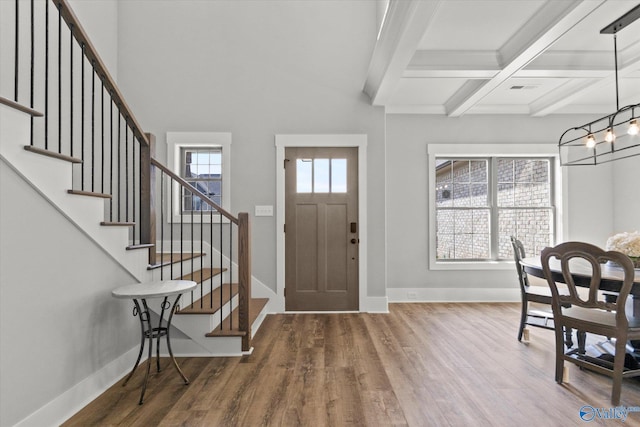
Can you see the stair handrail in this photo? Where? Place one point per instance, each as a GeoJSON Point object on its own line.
{"type": "Point", "coordinates": [92, 55]}
{"type": "Point", "coordinates": [194, 190]}
{"type": "Point", "coordinates": [244, 251]}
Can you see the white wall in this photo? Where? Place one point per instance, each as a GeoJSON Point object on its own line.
{"type": "Point", "coordinates": [257, 69]}
{"type": "Point", "coordinates": [589, 196]}
{"type": "Point", "coordinates": [59, 323]}
{"type": "Point", "coordinates": [626, 191]}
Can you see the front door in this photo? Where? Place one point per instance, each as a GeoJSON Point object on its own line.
{"type": "Point", "coordinates": [321, 228]}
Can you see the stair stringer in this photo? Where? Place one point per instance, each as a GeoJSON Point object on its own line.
{"type": "Point", "coordinates": [52, 178]}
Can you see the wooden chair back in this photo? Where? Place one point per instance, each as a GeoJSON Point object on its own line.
{"type": "Point", "coordinates": [588, 255]}
{"type": "Point", "coordinates": [518, 255]}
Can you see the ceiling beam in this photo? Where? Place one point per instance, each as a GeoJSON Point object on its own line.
{"type": "Point", "coordinates": [485, 64]}
{"type": "Point", "coordinates": [402, 30]}
{"type": "Point", "coordinates": [552, 21]}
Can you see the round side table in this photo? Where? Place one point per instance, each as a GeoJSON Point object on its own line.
{"type": "Point", "coordinates": [139, 293]}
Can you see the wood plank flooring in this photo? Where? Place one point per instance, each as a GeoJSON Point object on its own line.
{"type": "Point", "coordinates": [435, 364]}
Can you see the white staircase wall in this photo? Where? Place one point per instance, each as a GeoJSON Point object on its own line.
{"type": "Point", "coordinates": [64, 338]}
{"type": "Point", "coordinates": [52, 178]}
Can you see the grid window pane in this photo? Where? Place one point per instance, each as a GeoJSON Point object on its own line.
{"type": "Point", "coordinates": [338, 175]}
{"type": "Point", "coordinates": [463, 246]}
{"type": "Point", "coordinates": [461, 195]}
{"type": "Point", "coordinates": [463, 222]}
{"type": "Point", "coordinates": [521, 189]}
{"type": "Point", "coordinates": [304, 174]}
{"type": "Point", "coordinates": [202, 168]}
{"type": "Point", "coordinates": [480, 248]}
{"type": "Point", "coordinates": [534, 227]}
{"type": "Point", "coordinates": [505, 194]}
{"type": "Point", "coordinates": [321, 176]}
{"type": "Point", "coordinates": [444, 246]}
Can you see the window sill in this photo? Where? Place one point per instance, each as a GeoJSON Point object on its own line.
{"type": "Point", "coordinates": [471, 265]}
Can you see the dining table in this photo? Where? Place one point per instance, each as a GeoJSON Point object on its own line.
{"type": "Point", "coordinates": [611, 283]}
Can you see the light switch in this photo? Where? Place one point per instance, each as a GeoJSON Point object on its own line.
{"type": "Point", "coordinates": [264, 210]}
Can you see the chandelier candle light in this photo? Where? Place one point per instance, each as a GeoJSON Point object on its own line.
{"type": "Point", "coordinates": [608, 138]}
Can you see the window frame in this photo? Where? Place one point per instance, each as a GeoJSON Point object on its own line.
{"type": "Point", "coordinates": [490, 151]}
{"type": "Point", "coordinates": [176, 141]}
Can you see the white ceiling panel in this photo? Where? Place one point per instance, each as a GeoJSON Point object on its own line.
{"type": "Point", "coordinates": [518, 91]}
{"type": "Point", "coordinates": [476, 25]}
{"type": "Point", "coordinates": [586, 35]}
{"type": "Point", "coordinates": [412, 91]}
{"type": "Point", "coordinates": [459, 57]}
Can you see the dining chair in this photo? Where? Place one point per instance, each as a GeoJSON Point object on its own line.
{"type": "Point", "coordinates": [593, 314]}
{"type": "Point", "coordinates": [537, 294]}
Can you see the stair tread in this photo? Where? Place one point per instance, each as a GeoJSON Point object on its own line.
{"type": "Point", "coordinates": [211, 302]}
{"type": "Point", "coordinates": [140, 246]}
{"type": "Point", "coordinates": [20, 107]}
{"type": "Point", "coordinates": [203, 274]}
{"type": "Point", "coordinates": [52, 154]}
{"type": "Point", "coordinates": [89, 193]}
{"type": "Point", "coordinates": [255, 308]}
{"type": "Point", "coordinates": [168, 258]}
{"type": "Point", "coordinates": [116, 224]}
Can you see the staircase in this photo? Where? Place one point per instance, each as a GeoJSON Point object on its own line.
{"type": "Point", "coordinates": [81, 147]}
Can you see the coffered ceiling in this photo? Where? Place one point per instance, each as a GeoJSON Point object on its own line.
{"type": "Point", "coordinates": [533, 57]}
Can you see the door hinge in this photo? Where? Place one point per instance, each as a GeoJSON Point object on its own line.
{"type": "Point", "coordinates": [284, 228]}
{"type": "Point", "coordinates": [285, 163]}
{"type": "Point", "coordinates": [285, 292]}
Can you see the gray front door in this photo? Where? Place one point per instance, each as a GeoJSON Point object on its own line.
{"type": "Point", "coordinates": [321, 229]}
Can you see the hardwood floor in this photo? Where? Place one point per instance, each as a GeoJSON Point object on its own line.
{"type": "Point", "coordinates": [435, 364]}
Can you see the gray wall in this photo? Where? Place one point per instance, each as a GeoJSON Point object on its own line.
{"type": "Point", "coordinates": [99, 18]}
{"type": "Point", "coordinates": [589, 197]}
{"type": "Point", "coordinates": [59, 323]}
{"type": "Point", "coordinates": [626, 194]}
{"type": "Point", "coordinates": [257, 69]}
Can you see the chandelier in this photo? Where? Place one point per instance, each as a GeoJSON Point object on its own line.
{"type": "Point", "coordinates": [609, 138]}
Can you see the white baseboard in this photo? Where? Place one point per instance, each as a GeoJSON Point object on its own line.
{"type": "Point", "coordinates": [77, 397]}
{"type": "Point", "coordinates": [376, 305]}
{"type": "Point", "coordinates": [453, 294]}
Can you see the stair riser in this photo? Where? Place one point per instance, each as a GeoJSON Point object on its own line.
{"type": "Point", "coordinates": [203, 323]}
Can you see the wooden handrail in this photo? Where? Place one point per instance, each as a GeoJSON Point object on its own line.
{"type": "Point", "coordinates": [194, 190]}
{"type": "Point", "coordinates": [101, 70]}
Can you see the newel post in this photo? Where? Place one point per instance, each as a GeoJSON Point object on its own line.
{"type": "Point", "coordinates": [244, 278]}
{"type": "Point", "coordinates": [148, 197]}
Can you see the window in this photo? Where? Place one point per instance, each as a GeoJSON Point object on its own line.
{"type": "Point", "coordinates": [202, 168]}
{"type": "Point", "coordinates": [480, 201]}
{"type": "Point", "coordinates": [202, 159]}
{"type": "Point", "coordinates": [321, 175]}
